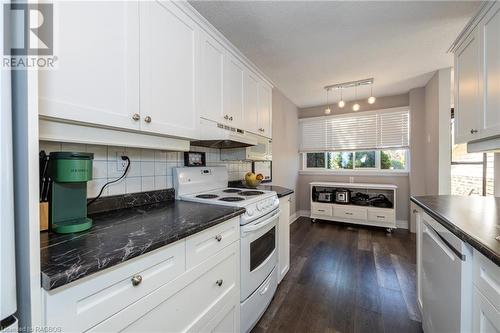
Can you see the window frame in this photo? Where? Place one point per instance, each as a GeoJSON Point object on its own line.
{"type": "Point", "coordinates": [377, 170]}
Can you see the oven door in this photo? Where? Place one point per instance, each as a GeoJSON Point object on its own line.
{"type": "Point", "coordinates": [259, 241]}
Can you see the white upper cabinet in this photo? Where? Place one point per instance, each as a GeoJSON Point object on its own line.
{"type": "Point", "coordinates": [251, 107]}
{"type": "Point", "coordinates": [477, 78]}
{"type": "Point", "coordinates": [211, 79]}
{"type": "Point", "coordinates": [97, 78]}
{"type": "Point", "coordinates": [169, 46]}
{"type": "Point", "coordinates": [467, 98]}
{"type": "Point", "coordinates": [265, 110]}
{"type": "Point", "coordinates": [490, 37]}
{"type": "Point", "coordinates": [233, 91]}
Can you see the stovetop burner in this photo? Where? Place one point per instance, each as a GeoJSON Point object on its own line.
{"type": "Point", "coordinates": [207, 196]}
{"type": "Point", "coordinates": [250, 193]}
{"type": "Point", "coordinates": [232, 190]}
{"type": "Point", "coordinates": [231, 199]}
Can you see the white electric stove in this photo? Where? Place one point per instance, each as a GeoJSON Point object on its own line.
{"type": "Point", "coordinates": [259, 236]}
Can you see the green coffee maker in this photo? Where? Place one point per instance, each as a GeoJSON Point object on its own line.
{"type": "Point", "coordinates": [69, 172]}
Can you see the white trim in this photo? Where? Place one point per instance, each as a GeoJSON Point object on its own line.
{"type": "Point", "coordinates": [356, 185]}
{"type": "Point", "coordinates": [402, 224]}
{"type": "Point", "coordinates": [50, 130]}
{"type": "Point", "coordinates": [294, 217]}
{"type": "Point", "coordinates": [303, 213]}
{"type": "Point", "coordinates": [327, 172]}
{"type": "Point", "coordinates": [350, 114]}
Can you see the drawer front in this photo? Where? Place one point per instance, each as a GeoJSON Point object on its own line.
{"type": "Point", "coordinates": [187, 303]}
{"type": "Point", "coordinates": [208, 242]}
{"type": "Point", "coordinates": [319, 209]}
{"type": "Point", "coordinates": [347, 212]}
{"type": "Point", "coordinates": [487, 278]}
{"type": "Point", "coordinates": [381, 215]}
{"type": "Point", "coordinates": [81, 305]}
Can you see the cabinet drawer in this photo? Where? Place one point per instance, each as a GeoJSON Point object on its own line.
{"type": "Point", "coordinates": [321, 209]}
{"type": "Point", "coordinates": [486, 277]}
{"type": "Point", "coordinates": [206, 243]}
{"type": "Point", "coordinates": [485, 318]}
{"type": "Point", "coordinates": [349, 212]}
{"type": "Point", "coordinates": [380, 215]}
{"type": "Point", "coordinates": [80, 305]}
{"type": "Point", "coordinates": [187, 303]}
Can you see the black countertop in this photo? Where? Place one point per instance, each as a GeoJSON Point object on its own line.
{"type": "Point", "coordinates": [281, 191]}
{"type": "Point", "coordinates": [123, 234]}
{"type": "Point", "coordinates": [475, 220]}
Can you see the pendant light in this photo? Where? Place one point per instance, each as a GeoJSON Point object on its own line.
{"type": "Point", "coordinates": [327, 110]}
{"type": "Point", "coordinates": [355, 107]}
{"type": "Point", "coordinates": [341, 102]}
{"type": "Point", "coordinates": [372, 98]}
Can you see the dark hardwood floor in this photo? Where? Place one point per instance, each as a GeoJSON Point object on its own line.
{"type": "Point", "coordinates": [346, 278]}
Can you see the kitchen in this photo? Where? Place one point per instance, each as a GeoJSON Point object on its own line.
{"type": "Point", "coordinates": [214, 166]}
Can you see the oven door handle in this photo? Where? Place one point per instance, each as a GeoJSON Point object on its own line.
{"type": "Point", "coordinates": [260, 225]}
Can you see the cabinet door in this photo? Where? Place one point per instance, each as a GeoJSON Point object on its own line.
{"type": "Point", "coordinates": [490, 38]}
{"type": "Point", "coordinates": [211, 79]}
{"type": "Point", "coordinates": [251, 107]}
{"type": "Point", "coordinates": [265, 110]}
{"type": "Point", "coordinates": [233, 91]}
{"type": "Point", "coordinates": [97, 78]}
{"type": "Point", "coordinates": [467, 90]}
{"type": "Point", "coordinates": [419, 230]}
{"type": "Point", "coordinates": [284, 237]}
{"type": "Point", "coordinates": [169, 45]}
{"type": "Point", "coordinates": [485, 318]}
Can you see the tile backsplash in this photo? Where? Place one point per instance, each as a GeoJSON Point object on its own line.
{"type": "Point", "coordinates": [149, 169]}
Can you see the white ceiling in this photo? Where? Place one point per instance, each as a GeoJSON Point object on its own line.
{"type": "Point", "coordinates": [305, 45]}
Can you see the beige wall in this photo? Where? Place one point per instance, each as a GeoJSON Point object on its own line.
{"type": "Point", "coordinates": [402, 181]}
{"type": "Point", "coordinates": [380, 103]}
{"type": "Point", "coordinates": [285, 144]}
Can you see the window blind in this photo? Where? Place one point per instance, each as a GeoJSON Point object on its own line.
{"type": "Point", "coordinates": [359, 131]}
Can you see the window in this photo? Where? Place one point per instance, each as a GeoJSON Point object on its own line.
{"type": "Point", "coordinates": [471, 173]}
{"type": "Point", "coordinates": [370, 160]}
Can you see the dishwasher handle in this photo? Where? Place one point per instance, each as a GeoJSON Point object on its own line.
{"type": "Point", "coordinates": [443, 243]}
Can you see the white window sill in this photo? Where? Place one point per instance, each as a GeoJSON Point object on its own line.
{"type": "Point", "coordinates": [377, 173]}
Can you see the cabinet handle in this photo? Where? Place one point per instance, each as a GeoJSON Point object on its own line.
{"type": "Point", "coordinates": [136, 280]}
{"type": "Point", "coordinates": [321, 210]}
{"type": "Point", "coordinates": [219, 282]}
{"type": "Point", "coordinates": [347, 213]}
{"type": "Point", "coordinates": [473, 131]}
{"type": "Point", "coordinates": [231, 118]}
{"type": "Point", "coordinates": [147, 119]}
{"type": "Point", "coordinates": [415, 211]}
{"type": "Point", "coordinates": [218, 238]}
{"type": "Point", "coordinates": [381, 217]}
{"type": "Point", "coordinates": [136, 117]}
{"type": "Point", "coordinates": [226, 117]}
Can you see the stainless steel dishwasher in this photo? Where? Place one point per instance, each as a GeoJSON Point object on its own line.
{"type": "Point", "coordinates": [446, 280]}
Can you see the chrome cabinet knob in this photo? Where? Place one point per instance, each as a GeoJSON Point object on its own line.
{"type": "Point", "coordinates": [136, 117]}
{"type": "Point", "coordinates": [231, 118]}
{"type": "Point", "coordinates": [218, 238]}
{"type": "Point", "coordinates": [226, 117]}
{"type": "Point", "coordinates": [473, 131]}
{"type": "Point", "coordinates": [136, 280]}
{"type": "Point", "coordinates": [147, 119]}
{"type": "Point", "coordinates": [415, 211]}
{"type": "Point", "coordinates": [219, 282]}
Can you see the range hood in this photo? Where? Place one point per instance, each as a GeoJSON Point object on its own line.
{"type": "Point", "coordinates": [221, 136]}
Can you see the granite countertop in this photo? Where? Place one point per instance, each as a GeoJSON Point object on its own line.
{"type": "Point", "coordinates": [281, 191]}
{"type": "Point", "coordinates": [475, 220]}
{"type": "Point", "coordinates": [120, 235]}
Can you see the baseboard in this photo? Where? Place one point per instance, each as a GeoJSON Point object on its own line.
{"type": "Point", "coordinates": [293, 217]}
{"type": "Point", "coordinates": [402, 224]}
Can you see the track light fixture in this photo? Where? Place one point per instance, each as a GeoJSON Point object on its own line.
{"type": "Point", "coordinates": [350, 84]}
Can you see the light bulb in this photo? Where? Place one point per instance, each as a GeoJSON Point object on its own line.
{"type": "Point", "coordinates": [355, 107]}
{"type": "Point", "coordinates": [371, 99]}
{"type": "Point", "coordinates": [341, 103]}
{"type": "Point", "coordinates": [328, 110]}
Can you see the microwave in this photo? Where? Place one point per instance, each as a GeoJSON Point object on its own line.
{"type": "Point", "coordinates": [325, 197]}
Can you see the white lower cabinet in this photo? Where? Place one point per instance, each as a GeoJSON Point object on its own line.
{"type": "Point", "coordinates": [170, 298]}
{"type": "Point", "coordinates": [485, 317]}
{"type": "Point", "coordinates": [284, 238]}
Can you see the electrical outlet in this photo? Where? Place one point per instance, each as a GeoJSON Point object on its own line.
{"type": "Point", "coordinates": [120, 164]}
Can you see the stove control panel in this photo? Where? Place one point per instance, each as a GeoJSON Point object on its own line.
{"type": "Point", "coordinates": [260, 208]}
